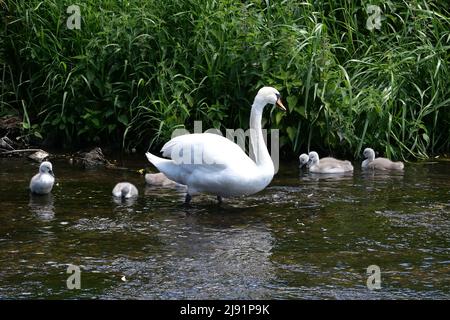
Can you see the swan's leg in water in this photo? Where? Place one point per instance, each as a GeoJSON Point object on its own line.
{"type": "Point", "coordinates": [219, 198]}
{"type": "Point", "coordinates": [188, 198]}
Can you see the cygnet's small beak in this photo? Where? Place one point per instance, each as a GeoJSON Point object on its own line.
{"type": "Point", "coordinates": [280, 105]}
{"type": "Point", "coordinates": [51, 172]}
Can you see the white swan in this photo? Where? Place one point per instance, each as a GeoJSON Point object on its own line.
{"type": "Point", "coordinates": [125, 190]}
{"type": "Point", "coordinates": [379, 163]}
{"type": "Point", "coordinates": [42, 183]}
{"type": "Point", "coordinates": [211, 163]}
{"type": "Point", "coordinates": [331, 165]}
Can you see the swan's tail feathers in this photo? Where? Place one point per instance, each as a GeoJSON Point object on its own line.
{"type": "Point", "coordinates": [167, 166]}
{"type": "Point", "coordinates": [156, 161]}
{"type": "Point", "coordinates": [348, 166]}
{"type": "Point", "coordinates": [398, 165]}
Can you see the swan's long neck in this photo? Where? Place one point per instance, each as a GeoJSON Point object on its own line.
{"type": "Point", "coordinates": [258, 146]}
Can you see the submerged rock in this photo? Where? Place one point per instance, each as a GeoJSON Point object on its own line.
{"type": "Point", "coordinates": [93, 158]}
{"type": "Point", "coordinates": [39, 156]}
{"type": "Point", "coordinates": [159, 179]}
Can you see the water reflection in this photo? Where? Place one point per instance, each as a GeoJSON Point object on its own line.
{"type": "Point", "coordinates": [376, 175]}
{"type": "Point", "coordinates": [166, 192]}
{"type": "Point", "coordinates": [124, 202]}
{"type": "Point", "coordinates": [327, 176]}
{"type": "Point", "coordinates": [42, 206]}
{"type": "Point", "coordinates": [200, 260]}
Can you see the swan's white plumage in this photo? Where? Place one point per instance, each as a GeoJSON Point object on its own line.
{"type": "Point", "coordinates": [125, 190]}
{"type": "Point", "coordinates": [211, 163]}
{"type": "Point", "coordinates": [328, 165]}
{"type": "Point", "coordinates": [42, 183]}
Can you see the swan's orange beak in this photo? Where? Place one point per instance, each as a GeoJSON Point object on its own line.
{"type": "Point", "coordinates": [280, 105]}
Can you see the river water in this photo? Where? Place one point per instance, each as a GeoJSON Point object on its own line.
{"type": "Point", "coordinates": [306, 236]}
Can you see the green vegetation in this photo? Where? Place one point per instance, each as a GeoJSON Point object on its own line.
{"type": "Point", "coordinates": [139, 69]}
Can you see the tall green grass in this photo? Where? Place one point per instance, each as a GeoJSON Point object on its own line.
{"type": "Point", "coordinates": [139, 69]}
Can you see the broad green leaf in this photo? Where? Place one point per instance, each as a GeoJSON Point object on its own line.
{"type": "Point", "coordinates": [291, 131]}
{"type": "Point", "coordinates": [96, 122]}
{"type": "Point", "coordinates": [292, 102]}
{"type": "Point", "coordinates": [37, 134]}
{"type": "Point", "coordinates": [278, 117]}
{"type": "Point", "coordinates": [123, 119]}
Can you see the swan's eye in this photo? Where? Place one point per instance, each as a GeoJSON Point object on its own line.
{"type": "Point", "coordinates": [278, 95]}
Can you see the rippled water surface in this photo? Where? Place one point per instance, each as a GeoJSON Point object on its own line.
{"type": "Point", "coordinates": [304, 237]}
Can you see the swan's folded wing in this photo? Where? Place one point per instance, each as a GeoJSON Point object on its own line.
{"type": "Point", "coordinates": [337, 167]}
{"type": "Point", "coordinates": [204, 149]}
{"type": "Point", "coordinates": [385, 164]}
